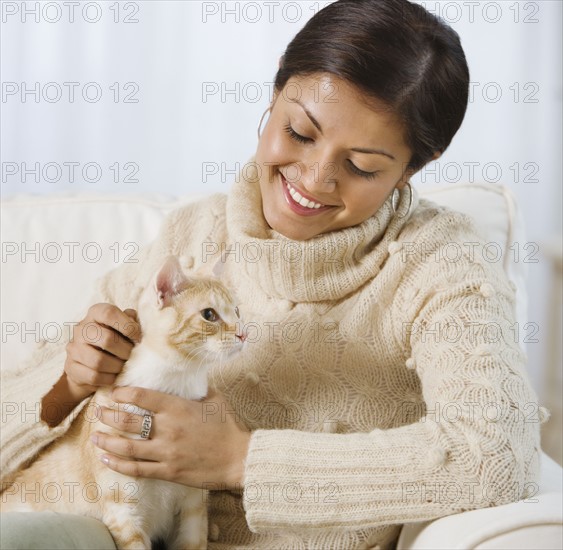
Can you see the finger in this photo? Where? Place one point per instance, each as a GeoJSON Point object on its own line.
{"type": "Point", "coordinates": [95, 358]}
{"type": "Point", "coordinates": [124, 447]}
{"type": "Point", "coordinates": [85, 376]}
{"type": "Point", "coordinates": [213, 395]}
{"type": "Point", "coordinates": [122, 420]}
{"type": "Point", "coordinates": [151, 400]}
{"type": "Point", "coordinates": [134, 468]}
{"type": "Point", "coordinates": [111, 316]}
{"type": "Point", "coordinates": [106, 339]}
{"type": "Point", "coordinates": [132, 329]}
{"type": "Point", "coordinates": [131, 313]}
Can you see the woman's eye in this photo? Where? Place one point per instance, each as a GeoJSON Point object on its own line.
{"type": "Point", "coordinates": [302, 139]}
{"type": "Point", "coordinates": [210, 315]}
{"type": "Point", "coordinates": [361, 173]}
{"type": "Point", "coordinates": [295, 136]}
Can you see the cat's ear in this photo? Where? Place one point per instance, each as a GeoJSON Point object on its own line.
{"type": "Point", "coordinates": [169, 281]}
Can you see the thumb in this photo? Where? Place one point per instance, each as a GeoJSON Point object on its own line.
{"type": "Point", "coordinates": [213, 395]}
{"type": "Point", "coordinates": [135, 336]}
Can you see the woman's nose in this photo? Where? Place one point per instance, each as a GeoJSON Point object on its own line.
{"type": "Point", "coordinates": [319, 177]}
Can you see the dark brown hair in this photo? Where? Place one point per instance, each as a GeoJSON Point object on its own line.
{"type": "Point", "coordinates": [395, 52]}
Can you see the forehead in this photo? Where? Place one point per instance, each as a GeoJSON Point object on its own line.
{"type": "Point", "coordinates": [344, 110]}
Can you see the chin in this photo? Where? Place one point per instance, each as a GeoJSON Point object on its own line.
{"type": "Point", "coordinates": [288, 229]}
{"type": "Point", "coordinates": [295, 235]}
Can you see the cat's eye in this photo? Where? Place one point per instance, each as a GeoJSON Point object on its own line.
{"type": "Point", "coordinates": [237, 312]}
{"type": "Point", "coordinates": [209, 314]}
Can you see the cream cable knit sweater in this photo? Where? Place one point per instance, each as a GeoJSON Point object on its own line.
{"type": "Point", "coordinates": [382, 381]}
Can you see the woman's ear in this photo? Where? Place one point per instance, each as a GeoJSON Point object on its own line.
{"type": "Point", "coordinates": [410, 172]}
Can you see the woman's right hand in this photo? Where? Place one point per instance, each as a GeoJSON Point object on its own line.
{"type": "Point", "coordinates": [99, 347]}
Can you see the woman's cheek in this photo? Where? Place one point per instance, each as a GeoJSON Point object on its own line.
{"type": "Point", "coordinates": [276, 146]}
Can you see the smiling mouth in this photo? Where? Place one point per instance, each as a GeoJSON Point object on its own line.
{"type": "Point", "coordinates": [300, 204]}
{"type": "Point", "coordinates": [300, 199]}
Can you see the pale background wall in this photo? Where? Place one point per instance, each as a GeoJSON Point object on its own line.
{"type": "Point", "coordinates": [183, 85]}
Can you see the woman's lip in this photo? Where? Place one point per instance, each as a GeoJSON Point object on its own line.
{"type": "Point", "coordinates": [296, 207]}
{"type": "Point", "coordinates": [302, 193]}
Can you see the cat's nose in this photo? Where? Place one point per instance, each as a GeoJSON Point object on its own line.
{"type": "Point", "coordinates": [241, 336]}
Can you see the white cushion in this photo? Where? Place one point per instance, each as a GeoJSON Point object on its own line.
{"type": "Point", "coordinates": [525, 524]}
{"type": "Point", "coordinates": [46, 282]}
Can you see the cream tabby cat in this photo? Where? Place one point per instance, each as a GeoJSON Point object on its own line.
{"type": "Point", "coordinates": [187, 324]}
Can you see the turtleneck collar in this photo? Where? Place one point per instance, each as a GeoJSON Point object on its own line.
{"type": "Point", "coordinates": [326, 267]}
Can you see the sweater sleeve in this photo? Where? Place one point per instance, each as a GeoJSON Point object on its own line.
{"type": "Point", "coordinates": [476, 443]}
{"type": "Point", "coordinates": [23, 434]}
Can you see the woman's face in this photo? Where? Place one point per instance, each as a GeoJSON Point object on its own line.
{"type": "Point", "coordinates": [327, 160]}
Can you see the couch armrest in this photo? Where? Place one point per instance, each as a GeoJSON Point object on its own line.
{"type": "Point", "coordinates": [532, 523]}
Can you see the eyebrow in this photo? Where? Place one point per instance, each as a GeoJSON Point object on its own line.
{"type": "Point", "coordinates": [355, 149]}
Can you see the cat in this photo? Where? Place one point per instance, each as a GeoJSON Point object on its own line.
{"type": "Point", "coordinates": [187, 323]}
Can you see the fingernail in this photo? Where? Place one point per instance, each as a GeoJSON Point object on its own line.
{"type": "Point", "coordinates": [105, 459]}
{"type": "Point", "coordinates": [94, 439]}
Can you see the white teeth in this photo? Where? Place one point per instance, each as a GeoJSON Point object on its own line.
{"type": "Point", "coordinates": [299, 199]}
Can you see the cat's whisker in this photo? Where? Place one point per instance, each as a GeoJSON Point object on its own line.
{"type": "Point", "coordinates": [202, 352]}
{"type": "Point", "coordinates": [222, 361]}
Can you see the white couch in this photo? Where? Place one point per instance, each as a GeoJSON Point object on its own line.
{"type": "Point", "coordinates": [54, 248]}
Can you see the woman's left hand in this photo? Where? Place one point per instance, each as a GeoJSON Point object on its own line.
{"type": "Point", "coordinates": [197, 443]}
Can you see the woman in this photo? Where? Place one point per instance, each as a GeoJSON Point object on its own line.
{"type": "Point", "coordinates": [331, 429]}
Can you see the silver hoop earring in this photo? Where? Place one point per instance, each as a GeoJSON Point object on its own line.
{"type": "Point", "coordinates": [261, 121]}
{"type": "Point", "coordinates": [395, 197]}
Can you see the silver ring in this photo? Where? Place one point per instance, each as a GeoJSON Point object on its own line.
{"type": "Point", "coordinates": [146, 427]}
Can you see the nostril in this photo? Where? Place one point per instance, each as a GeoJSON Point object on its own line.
{"type": "Point", "coordinates": [241, 337]}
